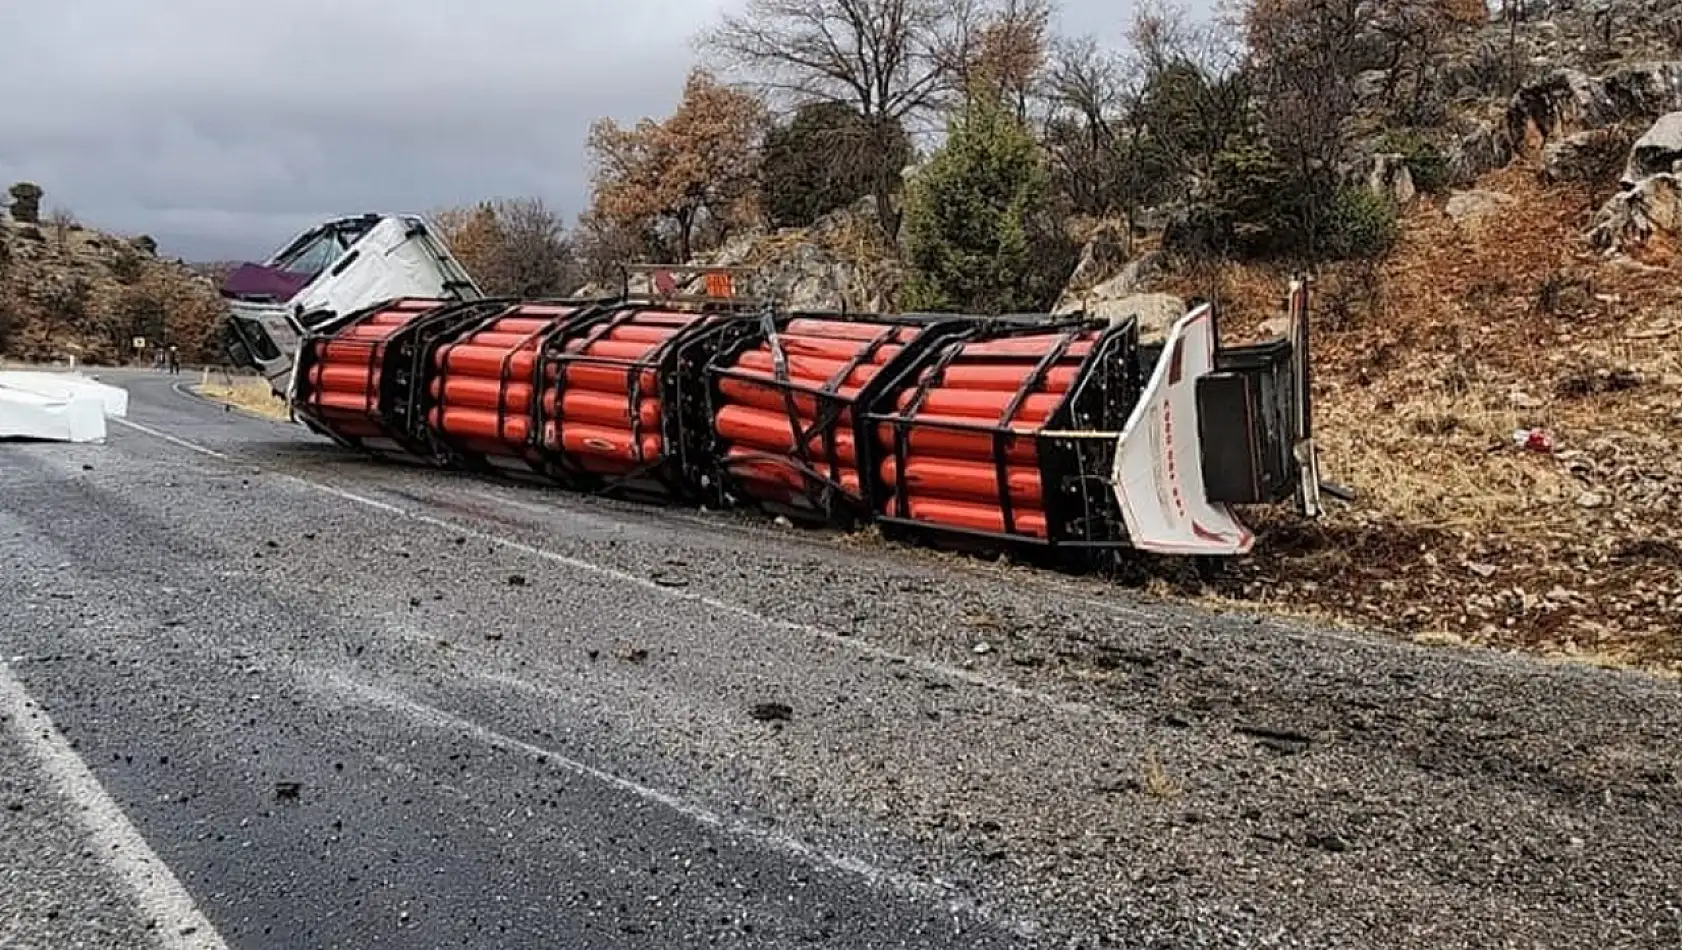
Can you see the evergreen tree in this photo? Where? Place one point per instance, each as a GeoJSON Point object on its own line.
{"type": "Point", "coordinates": [981, 235]}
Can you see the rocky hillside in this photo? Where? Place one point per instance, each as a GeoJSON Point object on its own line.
{"type": "Point", "coordinates": [68, 290]}
{"type": "Point", "coordinates": [1503, 389]}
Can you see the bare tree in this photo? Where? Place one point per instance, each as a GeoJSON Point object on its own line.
{"type": "Point", "coordinates": [1089, 101]}
{"type": "Point", "coordinates": [891, 60]}
{"type": "Point", "coordinates": [1192, 94]}
{"type": "Point", "coordinates": [536, 256]}
{"type": "Point", "coordinates": [62, 222]}
{"type": "Point", "coordinates": [1087, 80]}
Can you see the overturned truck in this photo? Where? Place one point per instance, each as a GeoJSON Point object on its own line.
{"type": "Point", "coordinates": [1067, 439]}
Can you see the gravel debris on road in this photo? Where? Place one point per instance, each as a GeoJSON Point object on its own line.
{"type": "Point", "coordinates": [1108, 772]}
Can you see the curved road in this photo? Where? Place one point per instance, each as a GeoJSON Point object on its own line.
{"type": "Point", "coordinates": [259, 692]}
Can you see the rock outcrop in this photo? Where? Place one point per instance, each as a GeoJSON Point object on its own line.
{"type": "Point", "coordinates": [1474, 206]}
{"type": "Point", "coordinates": [1569, 101]}
{"type": "Point", "coordinates": [1657, 151]}
{"type": "Point", "coordinates": [1634, 216]}
{"type": "Point", "coordinates": [1388, 176]}
{"type": "Point", "coordinates": [1106, 245]}
{"type": "Point", "coordinates": [1649, 200]}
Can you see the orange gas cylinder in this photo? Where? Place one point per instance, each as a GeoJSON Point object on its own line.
{"type": "Point", "coordinates": [608, 409]}
{"type": "Point", "coordinates": [608, 378]}
{"type": "Point", "coordinates": [348, 402]}
{"type": "Point", "coordinates": [1004, 376]}
{"type": "Point", "coordinates": [970, 516]}
{"type": "Point", "coordinates": [608, 443]}
{"type": "Point", "coordinates": [502, 341]}
{"type": "Point", "coordinates": [341, 377]}
{"type": "Point", "coordinates": [805, 369]}
{"type": "Point", "coordinates": [770, 432]}
{"type": "Point", "coordinates": [984, 405]}
{"type": "Point", "coordinates": [1032, 347]}
{"type": "Point", "coordinates": [634, 333]}
{"type": "Point", "coordinates": [742, 392]}
{"type": "Point", "coordinates": [962, 479]}
{"type": "Point", "coordinates": [488, 361]}
{"type": "Point", "coordinates": [848, 329]}
{"type": "Point", "coordinates": [489, 424]}
{"type": "Point", "coordinates": [523, 326]}
{"type": "Point", "coordinates": [478, 392]}
{"type": "Point", "coordinates": [617, 350]}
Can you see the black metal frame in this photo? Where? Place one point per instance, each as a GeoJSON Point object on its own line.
{"type": "Point", "coordinates": [1278, 417]}
{"type": "Point", "coordinates": [390, 405]}
{"type": "Point", "coordinates": [487, 312]}
{"type": "Point", "coordinates": [828, 500]}
{"type": "Point", "coordinates": [1075, 447]}
{"type": "Point", "coordinates": [679, 474]}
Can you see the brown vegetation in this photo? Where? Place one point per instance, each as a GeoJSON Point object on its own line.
{"type": "Point", "coordinates": [1428, 365]}
{"type": "Point", "coordinates": [69, 291]}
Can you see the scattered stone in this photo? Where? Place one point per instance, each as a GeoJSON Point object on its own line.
{"type": "Point", "coordinates": [1473, 206]}
{"type": "Point", "coordinates": [771, 712]}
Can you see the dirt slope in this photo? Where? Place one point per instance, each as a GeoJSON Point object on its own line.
{"type": "Point", "coordinates": [1476, 329]}
{"type": "Point", "coordinates": [68, 290]}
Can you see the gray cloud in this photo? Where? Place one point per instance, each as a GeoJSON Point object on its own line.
{"type": "Point", "coordinates": [221, 128]}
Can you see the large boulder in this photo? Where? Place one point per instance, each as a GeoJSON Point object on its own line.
{"type": "Point", "coordinates": [1633, 216]}
{"type": "Point", "coordinates": [1126, 283]}
{"type": "Point", "coordinates": [1658, 151]}
{"type": "Point", "coordinates": [1122, 296]}
{"type": "Point", "coordinates": [1155, 312]}
{"type": "Point", "coordinates": [1591, 156]}
{"type": "Point", "coordinates": [1105, 247]}
{"type": "Point", "coordinates": [26, 202]}
{"type": "Point", "coordinates": [1472, 207]}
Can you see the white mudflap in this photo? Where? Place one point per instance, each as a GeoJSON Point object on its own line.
{"type": "Point", "coordinates": [59, 407]}
{"type": "Point", "coordinates": [1158, 473]}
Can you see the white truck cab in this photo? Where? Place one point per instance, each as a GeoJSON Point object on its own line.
{"type": "Point", "coordinates": [330, 270]}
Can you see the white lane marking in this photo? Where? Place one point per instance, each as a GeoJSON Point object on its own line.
{"type": "Point", "coordinates": [157, 892]}
{"type": "Point", "coordinates": [173, 440]}
{"type": "Point", "coordinates": [339, 687]}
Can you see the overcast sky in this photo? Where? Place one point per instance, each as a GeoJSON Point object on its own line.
{"type": "Point", "coordinates": [221, 127]}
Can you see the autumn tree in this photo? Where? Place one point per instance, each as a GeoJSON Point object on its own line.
{"type": "Point", "coordinates": [471, 233]}
{"type": "Point", "coordinates": [694, 170]}
{"type": "Point", "coordinates": [891, 61]}
{"type": "Point", "coordinates": [515, 247]}
{"type": "Point", "coordinates": [1010, 52]}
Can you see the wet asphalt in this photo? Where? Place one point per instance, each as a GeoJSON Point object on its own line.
{"type": "Point", "coordinates": [358, 704]}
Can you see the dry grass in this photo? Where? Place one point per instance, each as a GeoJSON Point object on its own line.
{"type": "Point", "coordinates": [1426, 367]}
{"type": "Point", "coordinates": [250, 393]}
{"type": "Point", "coordinates": [1155, 781]}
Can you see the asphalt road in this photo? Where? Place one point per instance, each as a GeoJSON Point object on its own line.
{"type": "Point", "coordinates": [259, 692]}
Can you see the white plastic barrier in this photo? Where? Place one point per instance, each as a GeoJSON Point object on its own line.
{"type": "Point", "coordinates": [60, 407]}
